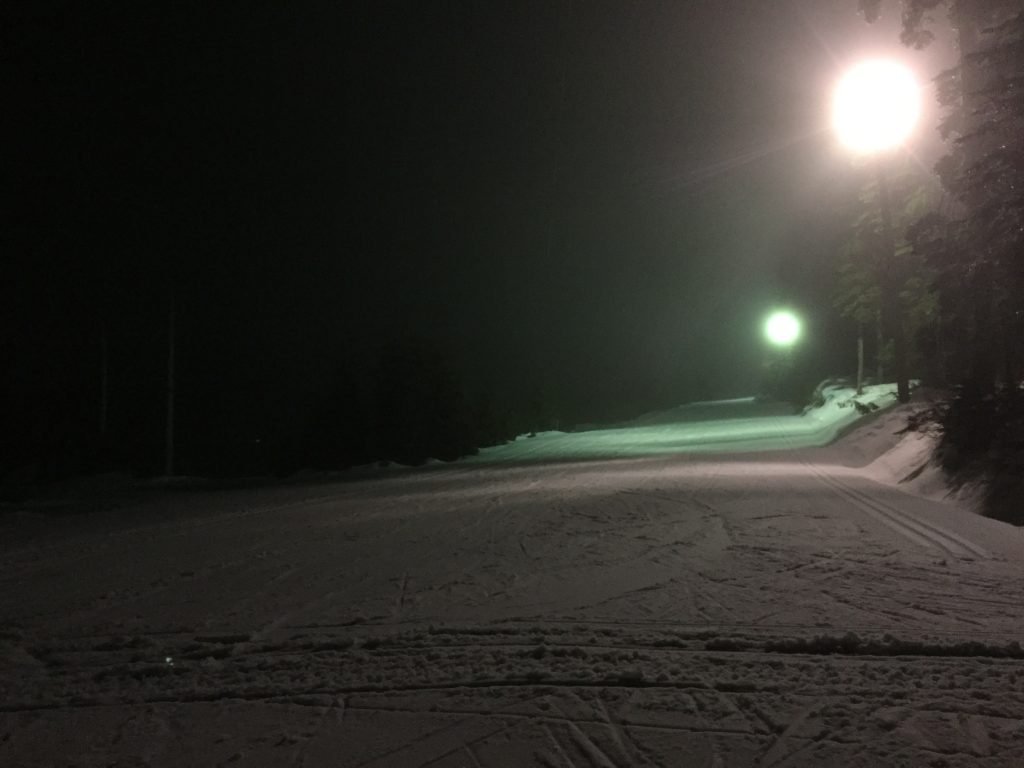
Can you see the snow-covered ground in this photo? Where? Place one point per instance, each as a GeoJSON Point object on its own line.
{"type": "Point", "coordinates": [718, 426]}
{"type": "Point", "coordinates": [627, 597]}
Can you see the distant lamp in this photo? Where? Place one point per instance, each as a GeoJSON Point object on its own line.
{"type": "Point", "coordinates": [875, 106]}
{"type": "Point", "coordinates": [782, 328]}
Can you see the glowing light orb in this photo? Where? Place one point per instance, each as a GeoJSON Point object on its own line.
{"type": "Point", "coordinates": [782, 328]}
{"type": "Point", "coordinates": [875, 106]}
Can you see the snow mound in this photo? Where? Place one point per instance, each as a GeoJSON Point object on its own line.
{"type": "Point", "coordinates": [911, 464]}
{"type": "Point", "coordinates": [728, 426]}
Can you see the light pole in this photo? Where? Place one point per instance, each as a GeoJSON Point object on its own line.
{"type": "Point", "coordinates": [875, 108]}
{"type": "Point", "coordinates": [782, 330]}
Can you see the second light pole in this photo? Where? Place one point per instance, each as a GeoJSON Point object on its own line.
{"type": "Point", "coordinates": [875, 108]}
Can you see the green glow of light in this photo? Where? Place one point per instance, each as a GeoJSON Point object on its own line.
{"type": "Point", "coordinates": [782, 328]}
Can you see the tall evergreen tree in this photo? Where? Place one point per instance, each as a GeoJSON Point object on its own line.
{"type": "Point", "coordinates": [865, 266]}
{"type": "Point", "coordinates": [975, 243]}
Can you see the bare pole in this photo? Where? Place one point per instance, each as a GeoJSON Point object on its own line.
{"type": "Point", "coordinates": [169, 433]}
{"type": "Point", "coordinates": [879, 348]}
{"type": "Point", "coordinates": [860, 357]}
{"type": "Point", "coordinates": [892, 312]}
{"type": "Point", "coordinates": [104, 381]}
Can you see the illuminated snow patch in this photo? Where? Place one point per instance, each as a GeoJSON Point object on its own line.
{"type": "Point", "coordinates": [741, 426]}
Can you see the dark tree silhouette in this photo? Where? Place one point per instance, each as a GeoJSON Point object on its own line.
{"type": "Point", "coordinates": [421, 410]}
{"type": "Point", "coordinates": [975, 243]}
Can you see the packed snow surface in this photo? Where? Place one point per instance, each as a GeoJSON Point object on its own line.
{"type": "Point", "coordinates": [626, 597]}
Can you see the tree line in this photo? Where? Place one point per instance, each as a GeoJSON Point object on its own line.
{"type": "Point", "coordinates": [407, 404]}
{"type": "Point", "coordinates": [960, 259]}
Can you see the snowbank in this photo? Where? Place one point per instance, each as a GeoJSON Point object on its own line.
{"type": "Point", "coordinates": [728, 426]}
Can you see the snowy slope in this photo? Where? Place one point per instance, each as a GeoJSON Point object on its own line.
{"type": "Point", "coordinates": [715, 427]}
{"type": "Point", "coordinates": [527, 608]}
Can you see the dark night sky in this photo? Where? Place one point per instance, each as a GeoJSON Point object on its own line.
{"type": "Point", "coordinates": [600, 198]}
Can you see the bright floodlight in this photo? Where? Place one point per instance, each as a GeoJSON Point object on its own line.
{"type": "Point", "coordinates": [875, 106]}
{"type": "Point", "coordinates": [782, 329]}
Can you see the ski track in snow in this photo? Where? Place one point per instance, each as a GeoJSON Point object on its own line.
{"type": "Point", "coordinates": [660, 611]}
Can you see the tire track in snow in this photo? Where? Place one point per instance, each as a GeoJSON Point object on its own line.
{"type": "Point", "coordinates": [421, 744]}
{"type": "Point", "coordinates": [620, 736]}
{"type": "Point", "coordinates": [558, 745]}
{"type": "Point", "coordinates": [911, 527]}
{"type": "Point", "coordinates": [926, 534]}
{"type": "Point", "coordinates": [731, 627]}
{"type": "Point", "coordinates": [597, 756]}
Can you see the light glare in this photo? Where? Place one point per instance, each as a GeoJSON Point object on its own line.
{"type": "Point", "coordinates": [875, 106]}
{"type": "Point", "coordinates": [782, 329]}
